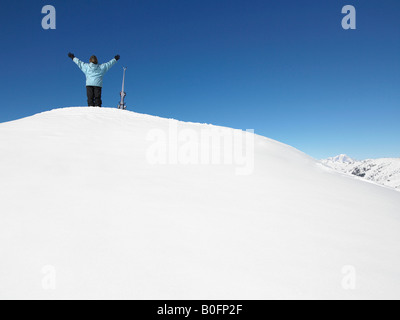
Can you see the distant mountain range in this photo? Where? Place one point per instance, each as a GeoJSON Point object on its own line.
{"type": "Point", "coordinates": [385, 171]}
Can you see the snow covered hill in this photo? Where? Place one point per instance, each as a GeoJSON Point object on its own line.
{"type": "Point", "coordinates": [382, 171]}
{"type": "Point", "coordinates": [104, 203]}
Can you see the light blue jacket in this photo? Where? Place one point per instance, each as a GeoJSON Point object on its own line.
{"type": "Point", "coordinates": [94, 73]}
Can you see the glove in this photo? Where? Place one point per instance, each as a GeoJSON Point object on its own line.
{"type": "Point", "coordinates": [117, 57]}
{"type": "Point", "coordinates": [71, 55]}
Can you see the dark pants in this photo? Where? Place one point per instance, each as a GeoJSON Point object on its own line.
{"type": "Point", "coordinates": [93, 96]}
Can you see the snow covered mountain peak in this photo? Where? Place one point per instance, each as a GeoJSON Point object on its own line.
{"type": "Point", "coordinates": [111, 204]}
{"type": "Point", "coordinates": [342, 158]}
{"type": "Point", "coordinates": [384, 171]}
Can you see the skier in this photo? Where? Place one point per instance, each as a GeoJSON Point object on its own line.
{"type": "Point", "coordinates": [94, 77]}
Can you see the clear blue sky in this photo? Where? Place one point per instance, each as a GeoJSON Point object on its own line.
{"type": "Point", "coordinates": [284, 68]}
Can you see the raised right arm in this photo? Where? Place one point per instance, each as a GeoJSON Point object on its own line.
{"type": "Point", "coordinates": [82, 65]}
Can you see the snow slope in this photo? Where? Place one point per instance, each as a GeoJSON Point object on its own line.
{"type": "Point", "coordinates": [382, 171]}
{"type": "Point", "coordinates": [85, 214]}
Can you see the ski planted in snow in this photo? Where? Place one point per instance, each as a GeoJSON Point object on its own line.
{"type": "Point", "coordinates": [122, 104]}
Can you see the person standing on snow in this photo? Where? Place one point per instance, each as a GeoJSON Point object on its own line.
{"type": "Point", "coordinates": [94, 77]}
